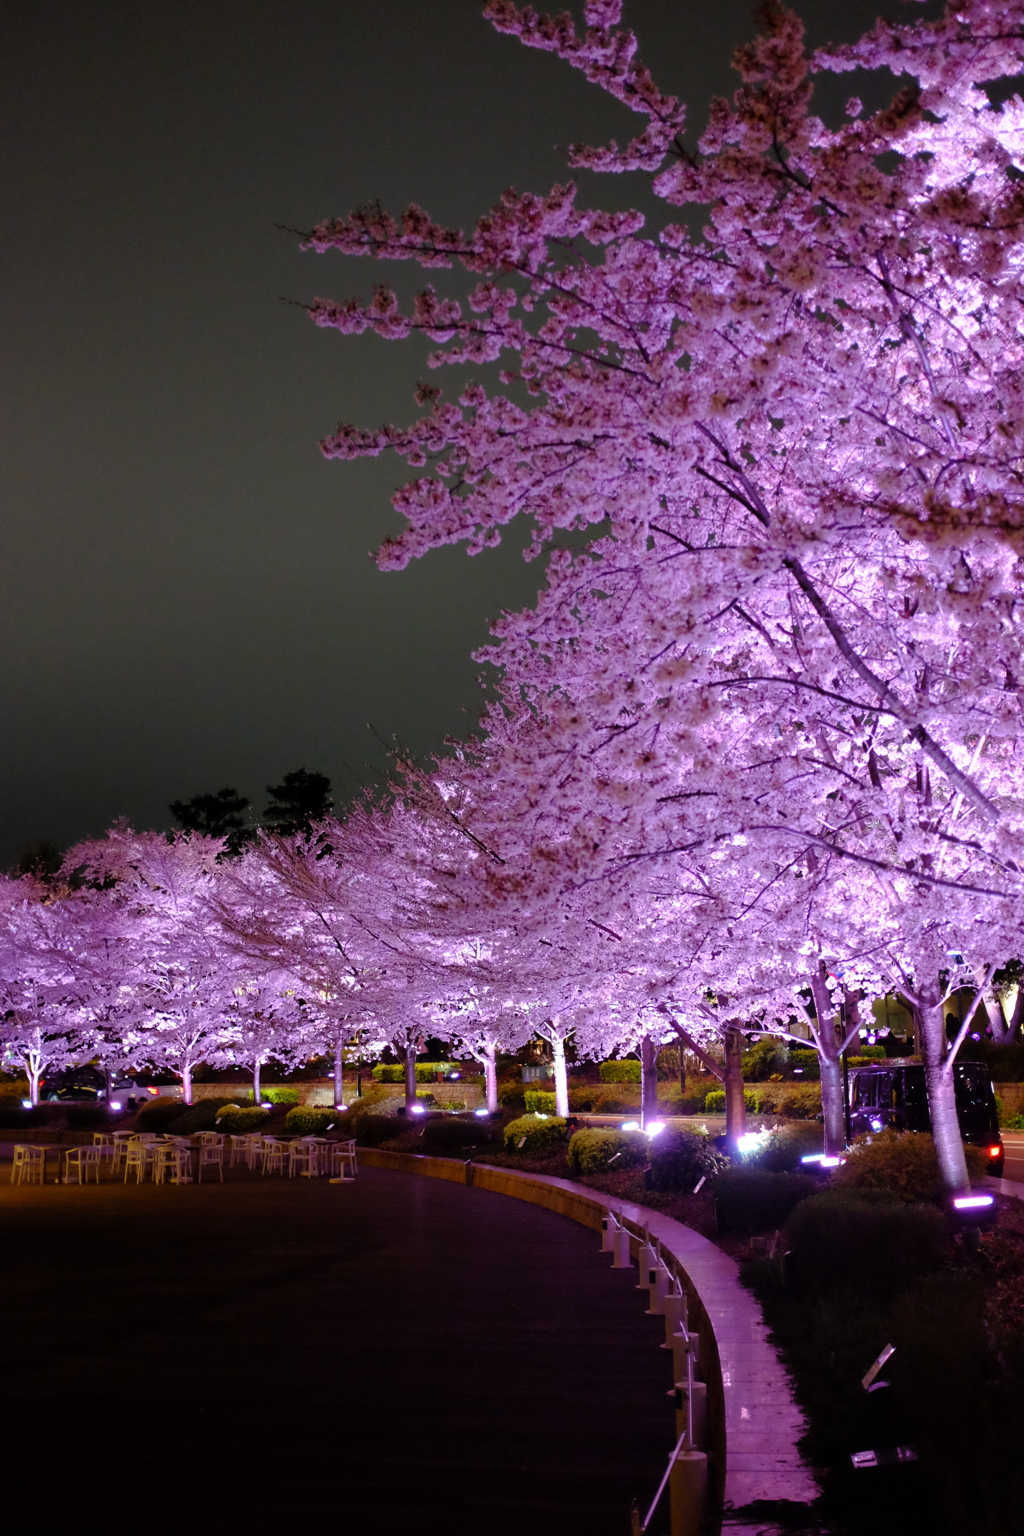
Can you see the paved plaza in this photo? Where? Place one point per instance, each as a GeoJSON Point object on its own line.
{"type": "Point", "coordinates": [402, 1354]}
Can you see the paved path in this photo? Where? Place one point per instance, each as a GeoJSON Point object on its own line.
{"type": "Point", "coordinates": [401, 1355]}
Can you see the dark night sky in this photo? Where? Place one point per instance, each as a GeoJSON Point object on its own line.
{"type": "Point", "coordinates": [186, 599]}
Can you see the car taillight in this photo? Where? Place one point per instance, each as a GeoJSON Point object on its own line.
{"type": "Point", "coordinates": [994, 1151]}
{"type": "Point", "coordinates": [154, 1091]}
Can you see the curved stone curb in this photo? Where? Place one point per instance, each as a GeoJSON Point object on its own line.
{"type": "Point", "coordinates": [753, 1421]}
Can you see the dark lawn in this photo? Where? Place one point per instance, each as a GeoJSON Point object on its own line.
{"type": "Point", "coordinates": [401, 1355]}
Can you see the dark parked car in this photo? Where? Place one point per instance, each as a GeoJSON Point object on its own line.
{"type": "Point", "coordinates": [894, 1095]}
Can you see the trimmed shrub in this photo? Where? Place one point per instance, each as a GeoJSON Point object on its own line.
{"type": "Point", "coordinates": [901, 1163]}
{"type": "Point", "coordinates": [714, 1102]}
{"type": "Point", "coordinates": [275, 1096]}
{"type": "Point", "coordinates": [809, 1064]}
{"type": "Point", "coordinates": [536, 1132]}
{"type": "Point", "coordinates": [158, 1114]}
{"type": "Point", "coordinates": [620, 1071]}
{"type": "Point", "coordinates": [510, 1092]}
{"type": "Point", "coordinates": [583, 1099]}
{"type": "Point", "coordinates": [374, 1129]}
{"type": "Point", "coordinates": [201, 1117]}
{"type": "Point", "coordinates": [680, 1159]}
{"type": "Point", "coordinates": [786, 1145]}
{"type": "Point", "coordinates": [862, 1243]}
{"type": "Point", "coordinates": [749, 1200]}
{"type": "Point", "coordinates": [595, 1151]}
{"type": "Point", "coordinates": [446, 1136]}
{"type": "Point", "coordinates": [240, 1119]}
{"type": "Point", "coordinates": [762, 1060]}
{"type": "Point", "coordinates": [539, 1102]}
{"type": "Point", "coordinates": [312, 1120]}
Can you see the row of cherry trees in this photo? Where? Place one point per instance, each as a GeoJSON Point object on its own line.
{"type": "Point", "coordinates": [753, 758]}
{"type": "Point", "coordinates": [763, 728]}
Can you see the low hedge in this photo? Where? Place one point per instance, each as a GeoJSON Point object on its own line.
{"type": "Point", "coordinates": [275, 1095]}
{"type": "Point", "coordinates": [447, 1136]}
{"type": "Point", "coordinates": [861, 1243]}
{"type": "Point", "coordinates": [595, 1151]}
{"type": "Point", "coordinates": [539, 1102]}
{"type": "Point", "coordinates": [619, 1071]}
{"type": "Point", "coordinates": [680, 1159]}
{"type": "Point", "coordinates": [510, 1092]}
{"type": "Point", "coordinates": [13, 1116]}
{"type": "Point", "coordinates": [426, 1071]}
{"type": "Point", "coordinates": [749, 1200]}
{"type": "Point", "coordinates": [312, 1119]}
{"type": "Point", "coordinates": [240, 1119]}
{"type": "Point", "coordinates": [537, 1133]}
{"type": "Point", "coordinates": [795, 1101]}
{"type": "Point", "coordinates": [714, 1102]}
{"type": "Point", "coordinates": [901, 1163]}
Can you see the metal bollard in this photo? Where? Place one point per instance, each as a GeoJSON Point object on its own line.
{"type": "Point", "coordinates": [648, 1259]}
{"type": "Point", "coordinates": [700, 1412]}
{"type": "Point", "coordinates": [659, 1280]}
{"type": "Point", "coordinates": [620, 1249]}
{"type": "Point", "coordinates": [688, 1492]}
{"type": "Point", "coordinates": [675, 1315]}
{"type": "Point", "coordinates": [608, 1226]}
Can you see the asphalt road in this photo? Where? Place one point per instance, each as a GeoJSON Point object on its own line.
{"type": "Point", "coordinates": [1013, 1141]}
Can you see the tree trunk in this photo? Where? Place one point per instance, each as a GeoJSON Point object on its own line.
{"type": "Point", "coordinates": [735, 1104]}
{"type": "Point", "coordinates": [339, 1072]}
{"type": "Point", "coordinates": [33, 1071]}
{"type": "Point", "coordinates": [408, 1053]}
{"type": "Point", "coordinates": [561, 1076]}
{"type": "Point", "coordinates": [256, 1089]}
{"type": "Point", "coordinates": [648, 1081]}
{"type": "Point", "coordinates": [833, 1104]}
{"type": "Point", "coordinates": [491, 1077]}
{"type": "Point", "coordinates": [949, 1148]}
{"type": "Point", "coordinates": [186, 1082]}
{"type": "Point", "coordinates": [682, 1070]}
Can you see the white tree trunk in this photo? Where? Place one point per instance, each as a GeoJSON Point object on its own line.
{"type": "Point", "coordinates": [833, 1104]}
{"type": "Point", "coordinates": [735, 1103]}
{"type": "Point", "coordinates": [408, 1052]}
{"type": "Point", "coordinates": [186, 1082]}
{"type": "Point", "coordinates": [942, 1096]}
{"type": "Point", "coordinates": [648, 1081]}
{"type": "Point", "coordinates": [339, 1072]}
{"type": "Point", "coordinates": [33, 1071]}
{"type": "Point", "coordinates": [561, 1076]}
{"type": "Point", "coordinates": [489, 1054]}
{"type": "Point", "coordinates": [256, 1089]}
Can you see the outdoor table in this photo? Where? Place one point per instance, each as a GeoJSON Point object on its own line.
{"type": "Point", "coordinates": [49, 1147]}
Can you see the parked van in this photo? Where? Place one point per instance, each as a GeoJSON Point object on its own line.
{"type": "Point", "coordinates": [893, 1093]}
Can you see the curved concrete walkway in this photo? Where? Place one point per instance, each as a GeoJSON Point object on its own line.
{"type": "Point", "coordinates": [754, 1420]}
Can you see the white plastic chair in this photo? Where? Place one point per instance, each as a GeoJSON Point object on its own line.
{"type": "Point", "coordinates": [273, 1155]}
{"type": "Point", "coordinates": [78, 1161]}
{"type": "Point", "coordinates": [135, 1159]}
{"type": "Point", "coordinates": [29, 1163]}
{"type": "Point", "coordinates": [181, 1165]}
{"type": "Point", "coordinates": [240, 1151]}
{"type": "Point", "coordinates": [343, 1160]}
{"type": "Point", "coordinates": [211, 1156]}
{"type": "Point", "coordinates": [302, 1159]}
